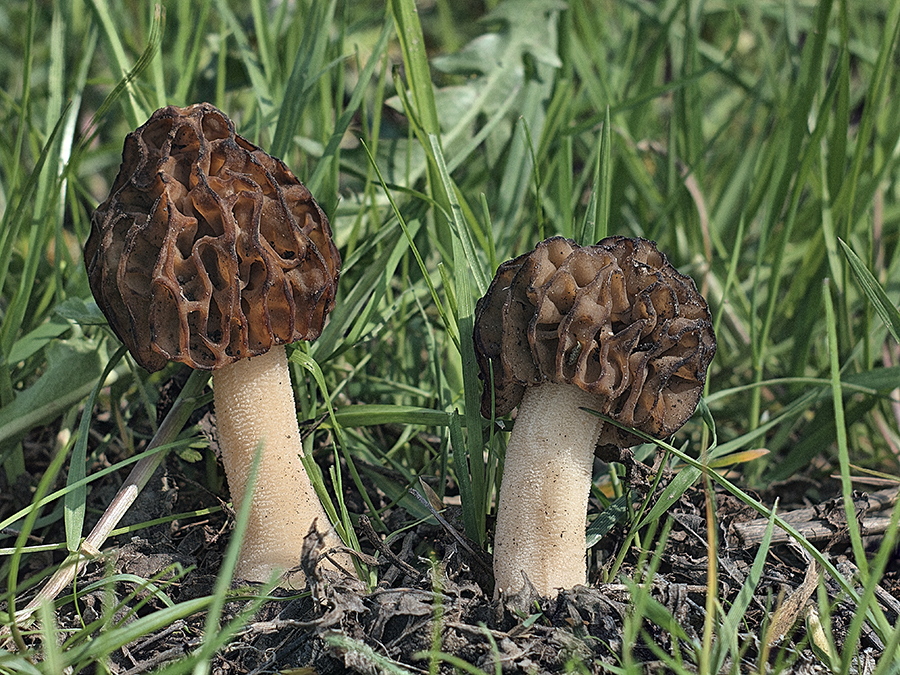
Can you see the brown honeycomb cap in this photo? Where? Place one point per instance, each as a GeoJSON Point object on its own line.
{"type": "Point", "coordinates": [208, 250]}
{"type": "Point", "coordinates": [615, 319]}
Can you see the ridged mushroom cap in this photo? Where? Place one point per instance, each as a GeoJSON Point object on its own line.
{"type": "Point", "coordinates": [615, 319]}
{"type": "Point", "coordinates": [208, 250]}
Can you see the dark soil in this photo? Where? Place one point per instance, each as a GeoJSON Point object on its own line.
{"type": "Point", "coordinates": [433, 595]}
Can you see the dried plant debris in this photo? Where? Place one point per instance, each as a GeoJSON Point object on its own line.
{"type": "Point", "coordinates": [400, 628]}
{"type": "Point", "coordinates": [824, 522]}
{"type": "Point", "coordinates": [433, 599]}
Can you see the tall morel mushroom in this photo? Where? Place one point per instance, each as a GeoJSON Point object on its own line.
{"type": "Point", "coordinates": [210, 252]}
{"type": "Point", "coordinates": [611, 327]}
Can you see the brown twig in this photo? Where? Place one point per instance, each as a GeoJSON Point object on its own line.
{"type": "Point", "coordinates": [369, 532]}
{"type": "Point", "coordinates": [814, 523]}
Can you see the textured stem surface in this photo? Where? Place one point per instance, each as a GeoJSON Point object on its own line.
{"type": "Point", "coordinates": [255, 405]}
{"type": "Point", "coordinates": [543, 498]}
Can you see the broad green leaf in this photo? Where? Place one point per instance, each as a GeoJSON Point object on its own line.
{"type": "Point", "coordinates": [36, 340]}
{"type": "Point", "coordinates": [85, 313]}
{"type": "Point", "coordinates": [607, 519]}
{"type": "Point", "coordinates": [73, 367]}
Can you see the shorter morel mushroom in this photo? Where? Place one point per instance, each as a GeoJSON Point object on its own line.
{"type": "Point", "coordinates": [210, 252]}
{"type": "Point", "coordinates": [612, 328]}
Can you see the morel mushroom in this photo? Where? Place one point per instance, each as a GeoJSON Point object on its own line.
{"type": "Point", "coordinates": [611, 327]}
{"type": "Point", "coordinates": [210, 252]}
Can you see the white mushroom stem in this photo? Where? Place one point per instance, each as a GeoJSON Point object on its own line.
{"type": "Point", "coordinates": [546, 484]}
{"type": "Point", "coordinates": [254, 404]}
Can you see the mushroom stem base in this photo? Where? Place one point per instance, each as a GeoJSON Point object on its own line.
{"type": "Point", "coordinates": [543, 498]}
{"type": "Point", "coordinates": [254, 404]}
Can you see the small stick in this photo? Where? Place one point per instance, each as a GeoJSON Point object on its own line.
{"type": "Point", "coordinates": [479, 558]}
{"type": "Point", "coordinates": [814, 521]}
{"type": "Point", "coordinates": [366, 526]}
{"type": "Point", "coordinates": [168, 431]}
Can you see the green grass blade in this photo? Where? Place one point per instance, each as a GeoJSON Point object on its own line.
{"type": "Point", "coordinates": [51, 653]}
{"type": "Point", "coordinates": [426, 273]}
{"type": "Point", "coordinates": [113, 640]}
{"type": "Point", "coordinates": [139, 113]}
{"type": "Point", "coordinates": [344, 527]}
{"type": "Point", "coordinates": [840, 425]}
{"type": "Point", "coordinates": [264, 43]}
{"type": "Point", "coordinates": [192, 15]}
{"type": "Point", "coordinates": [603, 182]}
{"type": "Point", "coordinates": [258, 77]}
{"type": "Point", "coordinates": [226, 573]}
{"type": "Point", "coordinates": [135, 111]}
{"type": "Point", "coordinates": [374, 414]}
{"type": "Point", "coordinates": [75, 501]}
{"type": "Point", "coordinates": [730, 626]}
{"type": "Point", "coordinates": [415, 58]}
{"type": "Point", "coordinates": [352, 314]}
{"type": "Point", "coordinates": [12, 579]}
{"type": "Point", "coordinates": [472, 515]}
{"type": "Point", "coordinates": [874, 292]}
{"type": "Point", "coordinates": [14, 219]}
{"type": "Point", "coordinates": [10, 521]}
{"type": "Point", "coordinates": [877, 570]}
{"type": "Point", "coordinates": [300, 86]}
{"type": "Point", "coordinates": [877, 97]}
{"type": "Point", "coordinates": [468, 258]}
{"type": "Point", "coordinates": [24, 107]}
{"type": "Point", "coordinates": [352, 109]}
{"type": "Point", "coordinates": [672, 493]}
{"type": "Point", "coordinates": [467, 268]}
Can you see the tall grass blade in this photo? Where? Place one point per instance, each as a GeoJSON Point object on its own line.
{"type": "Point", "coordinates": [226, 572]}
{"type": "Point", "coordinates": [730, 626]}
{"type": "Point", "coordinates": [603, 182]}
{"type": "Point", "coordinates": [13, 566]}
{"type": "Point", "coordinates": [877, 96]}
{"type": "Point", "coordinates": [343, 525]}
{"type": "Point", "coordinates": [874, 292]}
{"type": "Point", "coordinates": [14, 219]}
{"type": "Point", "coordinates": [76, 497]}
{"type": "Point", "coordinates": [352, 109]}
{"type": "Point", "coordinates": [840, 425]}
{"type": "Point", "coordinates": [259, 79]}
{"type": "Point", "coordinates": [415, 58]}
{"type": "Point", "coordinates": [136, 111]}
{"type": "Point", "coordinates": [426, 273]}
{"type": "Point", "coordinates": [307, 63]}
{"type": "Point", "coordinates": [195, 14]}
{"type": "Point", "coordinates": [139, 113]}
